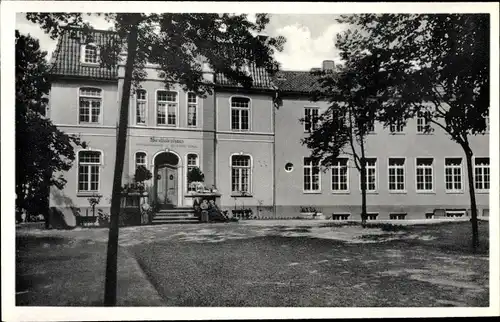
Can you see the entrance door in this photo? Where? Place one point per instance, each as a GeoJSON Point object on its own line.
{"type": "Point", "coordinates": [166, 186]}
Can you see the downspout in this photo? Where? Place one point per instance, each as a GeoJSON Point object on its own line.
{"type": "Point", "coordinates": [275, 101]}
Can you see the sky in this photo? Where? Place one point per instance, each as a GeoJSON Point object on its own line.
{"type": "Point", "coordinates": [310, 37]}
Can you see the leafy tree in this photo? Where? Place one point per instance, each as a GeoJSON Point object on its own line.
{"type": "Point", "coordinates": [435, 66]}
{"type": "Point", "coordinates": [42, 151]}
{"type": "Point", "coordinates": [179, 44]}
{"type": "Point", "coordinates": [195, 175]}
{"type": "Point", "coordinates": [349, 118]}
{"type": "Point", "coordinates": [142, 174]}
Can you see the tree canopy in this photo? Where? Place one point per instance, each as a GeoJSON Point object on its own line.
{"type": "Point", "coordinates": [43, 152]}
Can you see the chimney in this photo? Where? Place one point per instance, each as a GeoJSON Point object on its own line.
{"type": "Point", "coordinates": [328, 65]}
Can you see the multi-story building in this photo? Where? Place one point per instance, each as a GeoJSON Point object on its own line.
{"type": "Point", "coordinates": [245, 144]}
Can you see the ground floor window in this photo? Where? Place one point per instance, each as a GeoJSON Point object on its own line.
{"type": "Point", "coordinates": [192, 162]}
{"type": "Point", "coordinates": [482, 173]}
{"type": "Point", "coordinates": [89, 163]}
{"type": "Point", "coordinates": [241, 174]}
{"type": "Point", "coordinates": [140, 159]}
{"type": "Point", "coordinates": [311, 175]}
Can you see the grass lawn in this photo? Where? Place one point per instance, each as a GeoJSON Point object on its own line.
{"type": "Point", "coordinates": [258, 265]}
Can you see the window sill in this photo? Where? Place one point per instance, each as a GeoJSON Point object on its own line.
{"type": "Point", "coordinates": [346, 192]}
{"type": "Point", "coordinates": [88, 194]}
{"type": "Point", "coordinates": [401, 192]}
{"type": "Point", "coordinates": [90, 123]}
{"type": "Point", "coordinates": [241, 196]}
{"type": "Point", "coordinates": [454, 192]}
{"type": "Point", "coordinates": [397, 133]}
{"type": "Point", "coordinates": [419, 133]}
{"type": "Point", "coordinates": [312, 192]}
{"type": "Point", "coordinates": [167, 125]}
{"type": "Point", "coordinates": [426, 192]}
{"type": "Point", "coordinates": [482, 191]}
{"type": "Point", "coordinates": [90, 64]}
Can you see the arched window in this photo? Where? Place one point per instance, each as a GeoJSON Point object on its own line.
{"type": "Point", "coordinates": [140, 159]}
{"type": "Point", "coordinates": [89, 163]}
{"type": "Point", "coordinates": [90, 54]}
{"type": "Point", "coordinates": [241, 174]}
{"type": "Point", "coordinates": [240, 113]}
{"type": "Point", "coordinates": [141, 106]}
{"type": "Point", "coordinates": [192, 162]}
{"type": "Point", "coordinates": [90, 105]}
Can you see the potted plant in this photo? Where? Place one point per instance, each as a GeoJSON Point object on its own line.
{"type": "Point", "coordinates": [141, 175]}
{"type": "Point", "coordinates": [195, 179]}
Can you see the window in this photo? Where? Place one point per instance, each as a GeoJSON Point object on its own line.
{"type": "Point", "coordinates": [289, 167]}
{"type": "Point", "coordinates": [397, 127]}
{"type": "Point", "coordinates": [310, 118]}
{"type": "Point", "coordinates": [340, 175]}
{"type": "Point", "coordinates": [340, 216]}
{"type": "Point", "coordinates": [311, 175]}
{"type": "Point", "coordinates": [89, 163]}
{"type": "Point", "coordinates": [397, 174]}
{"type": "Point", "coordinates": [423, 124]}
{"type": "Point", "coordinates": [166, 108]}
{"type": "Point", "coordinates": [90, 105]}
{"type": "Point", "coordinates": [371, 127]}
{"type": "Point", "coordinates": [240, 110]}
{"type": "Point", "coordinates": [371, 175]}
{"type": "Point", "coordinates": [455, 213]}
{"type": "Point", "coordinates": [453, 174]}
{"type": "Point", "coordinates": [90, 54]}
{"type": "Point", "coordinates": [140, 106]}
{"type": "Point", "coordinates": [424, 174]}
{"type": "Point", "coordinates": [371, 216]}
{"type": "Point", "coordinates": [192, 108]}
{"type": "Point", "coordinates": [397, 216]}
{"type": "Point", "coordinates": [140, 159]}
{"type": "Point", "coordinates": [192, 162]}
{"type": "Point", "coordinates": [482, 173]}
{"type": "Point", "coordinates": [240, 173]}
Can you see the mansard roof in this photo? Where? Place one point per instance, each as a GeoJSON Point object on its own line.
{"type": "Point", "coordinates": [66, 57]}
{"type": "Point", "coordinates": [66, 62]}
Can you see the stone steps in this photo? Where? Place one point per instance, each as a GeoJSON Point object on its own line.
{"type": "Point", "coordinates": [178, 215]}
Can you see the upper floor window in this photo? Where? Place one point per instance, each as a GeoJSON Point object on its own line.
{"type": "Point", "coordinates": [140, 159]}
{"type": "Point", "coordinates": [167, 104]}
{"type": "Point", "coordinates": [141, 105]}
{"type": "Point", "coordinates": [241, 173]}
{"type": "Point", "coordinates": [90, 105]}
{"type": "Point", "coordinates": [453, 174]}
{"type": "Point", "coordinates": [90, 54]}
{"type": "Point", "coordinates": [371, 174]}
{"type": "Point", "coordinates": [310, 118]}
{"type": "Point", "coordinates": [423, 123]}
{"type": "Point", "coordinates": [240, 113]}
{"type": "Point", "coordinates": [424, 174]}
{"type": "Point", "coordinates": [89, 163]}
{"type": "Point", "coordinates": [340, 175]}
{"type": "Point", "coordinates": [482, 173]}
{"type": "Point", "coordinates": [396, 174]}
{"type": "Point", "coordinates": [311, 175]}
{"type": "Point", "coordinates": [192, 109]}
{"type": "Point", "coordinates": [371, 127]}
{"type": "Point", "coordinates": [192, 162]}
{"type": "Point", "coordinates": [397, 127]}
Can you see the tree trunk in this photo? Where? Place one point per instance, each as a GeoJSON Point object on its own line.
{"type": "Point", "coordinates": [111, 263]}
{"type": "Point", "coordinates": [363, 191]}
{"type": "Point", "coordinates": [473, 220]}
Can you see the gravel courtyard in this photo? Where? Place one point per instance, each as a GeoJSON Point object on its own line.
{"type": "Point", "coordinates": [258, 263]}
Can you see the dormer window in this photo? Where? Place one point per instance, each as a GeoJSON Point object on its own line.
{"type": "Point", "coordinates": [90, 54]}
